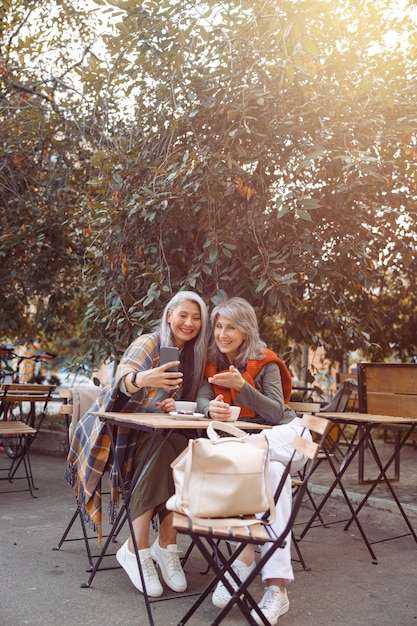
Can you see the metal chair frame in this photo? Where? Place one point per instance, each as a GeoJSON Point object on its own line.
{"type": "Point", "coordinates": [206, 538]}
{"type": "Point", "coordinates": [23, 431]}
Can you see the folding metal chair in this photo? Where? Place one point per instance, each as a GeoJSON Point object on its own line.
{"type": "Point", "coordinates": [330, 451]}
{"type": "Point", "coordinates": [76, 402]}
{"type": "Point", "coordinates": [21, 434]}
{"type": "Point", "coordinates": [344, 400]}
{"type": "Point", "coordinates": [257, 532]}
{"type": "Point", "coordinates": [300, 408]}
{"type": "Point", "coordinates": [18, 434]}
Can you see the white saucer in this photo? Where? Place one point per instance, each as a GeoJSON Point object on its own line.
{"type": "Point", "coordinates": [183, 416]}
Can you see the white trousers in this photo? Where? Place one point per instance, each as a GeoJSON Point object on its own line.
{"type": "Point", "coordinates": [280, 450]}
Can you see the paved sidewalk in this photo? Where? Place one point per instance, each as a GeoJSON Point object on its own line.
{"type": "Point", "coordinates": [40, 586]}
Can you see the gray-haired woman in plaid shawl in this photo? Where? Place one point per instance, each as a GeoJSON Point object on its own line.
{"type": "Point", "coordinates": [142, 385]}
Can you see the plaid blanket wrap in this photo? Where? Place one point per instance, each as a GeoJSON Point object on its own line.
{"type": "Point", "coordinates": [90, 452]}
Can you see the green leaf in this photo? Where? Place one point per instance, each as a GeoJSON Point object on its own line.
{"type": "Point", "coordinates": [304, 215]}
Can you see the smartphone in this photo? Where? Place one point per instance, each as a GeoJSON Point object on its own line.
{"type": "Point", "coordinates": [167, 354]}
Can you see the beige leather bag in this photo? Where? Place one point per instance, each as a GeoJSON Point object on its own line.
{"type": "Point", "coordinates": [223, 477]}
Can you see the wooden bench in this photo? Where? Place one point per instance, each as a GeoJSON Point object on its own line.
{"type": "Point", "coordinates": [388, 389]}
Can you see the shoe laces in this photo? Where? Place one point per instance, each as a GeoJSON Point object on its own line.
{"type": "Point", "coordinates": [241, 571]}
{"type": "Point", "coordinates": [271, 599]}
{"type": "Point", "coordinates": [148, 567]}
{"type": "Point", "coordinates": [173, 560]}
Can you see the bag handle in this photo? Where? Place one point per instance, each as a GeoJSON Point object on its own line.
{"type": "Point", "coordinates": [227, 428]}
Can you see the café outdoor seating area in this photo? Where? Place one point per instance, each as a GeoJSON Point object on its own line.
{"type": "Point", "coordinates": [41, 582]}
{"type": "Point", "coordinates": [335, 560]}
{"type": "Point", "coordinates": [208, 216]}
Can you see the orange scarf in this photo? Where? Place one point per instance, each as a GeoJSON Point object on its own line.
{"type": "Point", "coordinates": [253, 367]}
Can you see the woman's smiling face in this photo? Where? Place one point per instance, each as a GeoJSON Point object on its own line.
{"type": "Point", "coordinates": [185, 322]}
{"type": "Point", "coordinates": [228, 337]}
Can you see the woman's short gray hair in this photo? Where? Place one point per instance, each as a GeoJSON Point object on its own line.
{"type": "Point", "coordinates": [243, 316]}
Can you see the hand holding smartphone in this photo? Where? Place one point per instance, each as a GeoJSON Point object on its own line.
{"type": "Point", "coordinates": [168, 354]}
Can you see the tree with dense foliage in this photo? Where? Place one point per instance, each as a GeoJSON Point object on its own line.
{"type": "Point", "coordinates": [262, 149]}
{"type": "Point", "coordinates": [49, 134]}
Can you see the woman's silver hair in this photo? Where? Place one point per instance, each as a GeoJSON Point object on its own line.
{"type": "Point", "coordinates": [201, 341]}
{"type": "Point", "coordinates": [243, 316]}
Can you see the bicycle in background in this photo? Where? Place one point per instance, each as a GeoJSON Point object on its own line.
{"type": "Point", "coordinates": [10, 368]}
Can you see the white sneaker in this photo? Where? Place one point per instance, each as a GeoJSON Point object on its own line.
{"type": "Point", "coordinates": [128, 561]}
{"type": "Point", "coordinates": [169, 563]}
{"type": "Point", "coordinates": [273, 604]}
{"type": "Point", "coordinates": [220, 595]}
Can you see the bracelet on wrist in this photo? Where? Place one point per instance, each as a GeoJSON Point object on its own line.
{"type": "Point", "coordinates": [133, 380]}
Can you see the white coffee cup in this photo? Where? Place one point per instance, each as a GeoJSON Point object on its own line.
{"type": "Point", "coordinates": [181, 406]}
{"type": "Point", "coordinates": [235, 413]}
